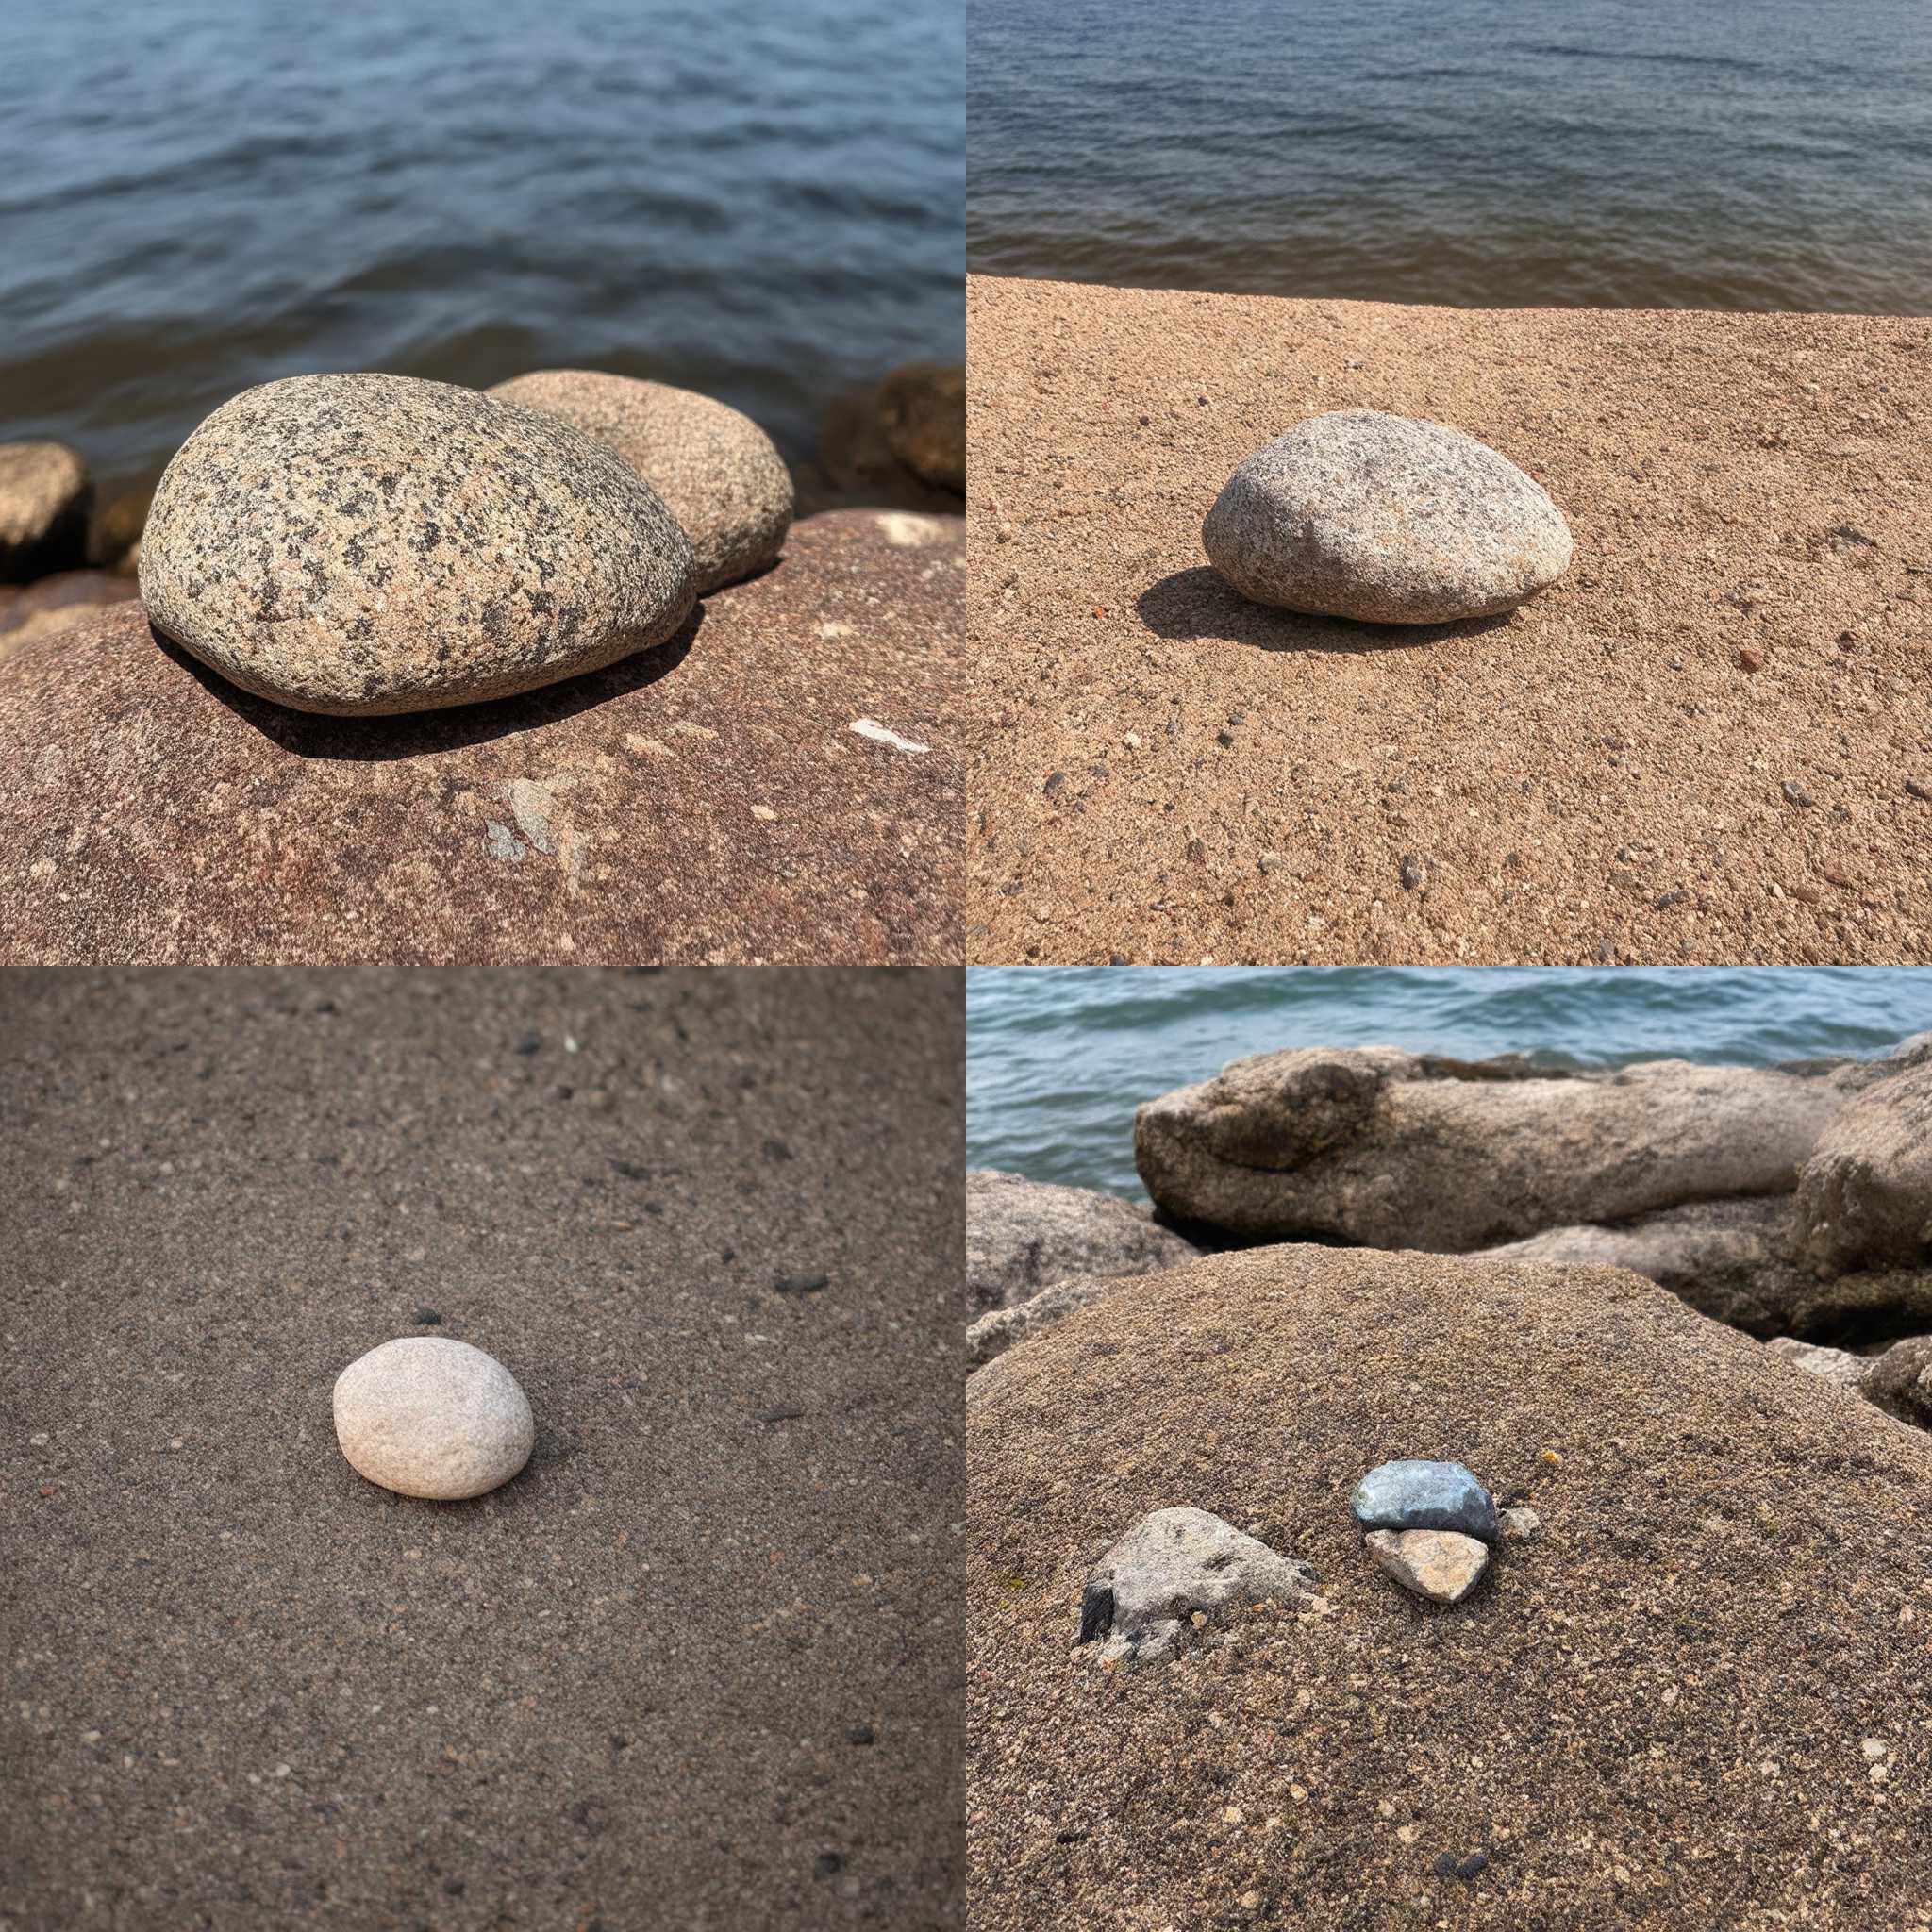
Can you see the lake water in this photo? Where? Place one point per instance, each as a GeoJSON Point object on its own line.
{"type": "Point", "coordinates": [761, 202]}
{"type": "Point", "coordinates": [1740, 154]}
{"type": "Point", "coordinates": [1057, 1059]}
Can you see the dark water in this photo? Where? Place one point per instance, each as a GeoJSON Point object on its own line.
{"type": "Point", "coordinates": [759, 201]}
{"type": "Point", "coordinates": [1057, 1059]}
{"type": "Point", "coordinates": [1736, 153]}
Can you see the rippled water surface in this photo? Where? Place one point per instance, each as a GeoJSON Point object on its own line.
{"type": "Point", "coordinates": [1057, 1059]}
{"type": "Point", "coordinates": [759, 201]}
{"type": "Point", "coordinates": [1738, 153]}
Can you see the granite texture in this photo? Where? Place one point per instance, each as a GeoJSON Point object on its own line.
{"type": "Point", "coordinates": [1411, 1493]}
{"type": "Point", "coordinates": [713, 801]}
{"type": "Point", "coordinates": [46, 494]}
{"type": "Point", "coordinates": [370, 544]}
{"type": "Point", "coordinates": [426, 1415]}
{"type": "Point", "coordinates": [720, 474]}
{"type": "Point", "coordinates": [1865, 1194]}
{"type": "Point", "coordinates": [1440, 1564]}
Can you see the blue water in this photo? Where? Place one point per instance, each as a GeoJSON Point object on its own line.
{"type": "Point", "coordinates": [759, 201]}
{"type": "Point", "coordinates": [1057, 1059]}
{"type": "Point", "coordinates": [1735, 154]}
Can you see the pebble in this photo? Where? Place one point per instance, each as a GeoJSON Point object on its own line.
{"type": "Point", "coordinates": [1413, 1494]}
{"type": "Point", "coordinates": [428, 1416]}
{"type": "Point", "coordinates": [1794, 792]}
{"type": "Point", "coordinates": [371, 544]}
{"type": "Point", "coordinates": [1439, 1564]}
{"type": "Point", "coordinates": [719, 473]}
{"type": "Point", "coordinates": [1521, 1525]}
{"type": "Point", "coordinates": [1750, 658]}
{"type": "Point", "coordinates": [801, 1284]}
{"type": "Point", "coordinates": [1387, 519]}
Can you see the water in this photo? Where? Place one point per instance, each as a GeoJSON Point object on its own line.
{"type": "Point", "coordinates": [761, 202]}
{"type": "Point", "coordinates": [1057, 1059]}
{"type": "Point", "coordinates": [1740, 154]}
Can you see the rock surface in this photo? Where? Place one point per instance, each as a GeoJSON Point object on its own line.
{"type": "Point", "coordinates": [1023, 1235]}
{"type": "Point", "coordinates": [922, 415]}
{"type": "Point", "coordinates": [361, 545]}
{"type": "Point", "coordinates": [46, 495]}
{"type": "Point", "coordinates": [1439, 1564]}
{"type": "Point", "coordinates": [51, 604]}
{"type": "Point", "coordinates": [1742, 1582]}
{"type": "Point", "coordinates": [114, 535]}
{"type": "Point", "coordinates": [1865, 1194]}
{"type": "Point", "coordinates": [1384, 518]}
{"type": "Point", "coordinates": [1173, 1565]}
{"type": "Point", "coordinates": [427, 1415]}
{"type": "Point", "coordinates": [720, 474]}
{"type": "Point", "coordinates": [1001, 1329]}
{"type": "Point", "coordinates": [1411, 1493]}
{"type": "Point", "coordinates": [710, 803]}
{"type": "Point", "coordinates": [1392, 1149]}
{"type": "Point", "coordinates": [1832, 1364]}
{"type": "Point", "coordinates": [1900, 1380]}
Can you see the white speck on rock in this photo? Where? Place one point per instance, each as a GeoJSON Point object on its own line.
{"type": "Point", "coordinates": [532, 805]}
{"type": "Point", "coordinates": [504, 843]}
{"type": "Point", "coordinates": [872, 728]}
{"type": "Point", "coordinates": [910, 532]}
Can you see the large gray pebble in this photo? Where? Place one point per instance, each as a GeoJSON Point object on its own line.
{"type": "Point", "coordinates": [1415, 1494]}
{"type": "Point", "coordinates": [1386, 518]}
{"type": "Point", "coordinates": [373, 543]}
{"type": "Point", "coordinates": [427, 1415]}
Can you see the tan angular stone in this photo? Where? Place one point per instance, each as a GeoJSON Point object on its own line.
{"type": "Point", "coordinates": [1441, 1564]}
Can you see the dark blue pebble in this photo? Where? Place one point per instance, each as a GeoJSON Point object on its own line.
{"type": "Point", "coordinates": [1425, 1495]}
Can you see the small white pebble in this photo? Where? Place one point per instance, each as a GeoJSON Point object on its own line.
{"type": "Point", "coordinates": [41, 1441]}
{"type": "Point", "coordinates": [1232, 1815]}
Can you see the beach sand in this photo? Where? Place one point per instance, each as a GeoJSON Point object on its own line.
{"type": "Point", "coordinates": [245, 1687]}
{"type": "Point", "coordinates": [1596, 778]}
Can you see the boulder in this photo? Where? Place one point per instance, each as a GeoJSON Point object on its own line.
{"type": "Point", "coordinates": [1900, 1380]}
{"type": "Point", "coordinates": [1394, 1150]}
{"type": "Point", "coordinates": [712, 801]}
{"type": "Point", "coordinates": [1382, 517]}
{"type": "Point", "coordinates": [46, 495]}
{"type": "Point", "coordinates": [1000, 1329]}
{"type": "Point", "coordinates": [922, 415]}
{"type": "Point", "coordinates": [1658, 1712]}
{"type": "Point", "coordinates": [1022, 1236]}
{"type": "Point", "coordinates": [721, 475]}
{"type": "Point", "coordinates": [361, 545]}
{"type": "Point", "coordinates": [1865, 1194]}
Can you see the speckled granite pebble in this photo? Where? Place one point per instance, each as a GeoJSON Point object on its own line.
{"type": "Point", "coordinates": [372, 544]}
{"type": "Point", "coordinates": [1412, 1495]}
{"type": "Point", "coordinates": [1386, 518]}
{"type": "Point", "coordinates": [429, 1416]}
{"type": "Point", "coordinates": [719, 471]}
{"type": "Point", "coordinates": [1439, 1564]}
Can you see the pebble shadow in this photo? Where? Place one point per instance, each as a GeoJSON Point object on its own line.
{"type": "Point", "coordinates": [418, 734]}
{"type": "Point", "coordinates": [1199, 603]}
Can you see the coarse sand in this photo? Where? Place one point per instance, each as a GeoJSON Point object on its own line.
{"type": "Point", "coordinates": [1701, 1698]}
{"type": "Point", "coordinates": [1163, 773]}
{"type": "Point", "coordinates": [697, 1665]}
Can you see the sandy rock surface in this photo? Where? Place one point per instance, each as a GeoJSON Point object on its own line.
{"type": "Point", "coordinates": [1596, 776]}
{"type": "Point", "coordinates": [1023, 1235]}
{"type": "Point", "coordinates": [1361, 514]}
{"type": "Point", "coordinates": [1395, 1150]}
{"type": "Point", "coordinates": [718, 472]}
{"type": "Point", "coordinates": [427, 1415]}
{"type": "Point", "coordinates": [722, 799]}
{"type": "Point", "coordinates": [1865, 1195]}
{"type": "Point", "coordinates": [45, 496]}
{"type": "Point", "coordinates": [1735, 1572]}
{"type": "Point", "coordinates": [372, 545]}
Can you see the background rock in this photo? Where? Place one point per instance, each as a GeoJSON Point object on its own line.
{"type": "Point", "coordinates": [1363, 514]}
{"type": "Point", "coordinates": [1865, 1194]}
{"type": "Point", "coordinates": [1022, 1236]}
{"type": "Point", "coordinates": [46, 495]}
{"type": "Point", "coordinates": [720, 474]}
{"type": "Point", "coordinates": [1773, 1532]}
{"type": "Point", "coordinates": [373, 545]}
{"type": "Point", "coordinates": [922, 415]}
{"type": "Point", "coordinates": [115, 531]}
{"type": "Point", "coordinates": [1900, 1381]}
{"type": "Point", "coordinates": [709, 801]}
{"type": "Point", "coordinates": [52, 604]}
{"type": "Point", "coordinates": [1001, 1329]}
{"type": "Point", "coordinates": [1833, 1364]}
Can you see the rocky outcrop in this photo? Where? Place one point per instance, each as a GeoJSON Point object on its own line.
{"type": "Point", "coordinates": [1730, 1572]}
{"type": "Point", "coordinates": [1865, 1194]}
{"type": "Point", "coordinates": [777, 782]}
{"type": "Point", "coordinates": [1022, 1236]}
{"type": "Point", "coordinates": [922, 415]}
{"type": "Point", "coordinates": [1389, 1149]}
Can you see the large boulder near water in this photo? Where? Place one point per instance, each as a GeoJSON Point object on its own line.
{"type": "Point", "coordinates": [46, 495]}
{"type": "Point", "coordinates": [367, 544]}
{"type": "Point", "coordinates": [1400, 1150]}
{"type": "Point", "coordinates": [1023, 1235]}
{"type": "Point", "coordinates": [1696, 1698]}
{"type": "Point", "coordinates": [1362, 514]}
{"type": "Point", "coordinates": [719, 473]}
{"type": "Point", "coordinates": [921, 414]}
{"type": "Point", "coordinates": [1865, 1195]}
{"type": "Point", "coordinates": [779, 782]}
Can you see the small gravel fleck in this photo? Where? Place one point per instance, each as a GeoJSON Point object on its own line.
{"type": "Point", "coordinates": [801, 1284]}
{"type": "Point", "coordinates": [1795, 792]}
{"type": "Point", "coordinates": [1414, 872]}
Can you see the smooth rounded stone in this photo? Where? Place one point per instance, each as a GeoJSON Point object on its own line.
{"type": "Point", "coordinates": [1415, 1494]}
{"type": "Point", "coordinates": [1176, 1564]}
{"type": "Point", "coordinates": [429, 1416]}
{"type": "Point", "coordinates": [1440, 1564]}
{"type": "Point", "coordinates": [1900, 1380]}
{"type": "Point", "coordinates": [368, 544]}
{"type": "Point", "coordinates": [921, 414]}
{"type": "Point", "coordinates": [46, 495]}
{"type": "Point", "coordinates": [1387, 519]}
{"type": "Point", "coordinates": [1864, 1197]}
{"type": "Point", "coordinates": [721, 475]}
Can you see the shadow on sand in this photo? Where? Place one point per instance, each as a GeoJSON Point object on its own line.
{"type": "Point", "coordinates": [1199, 603]}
